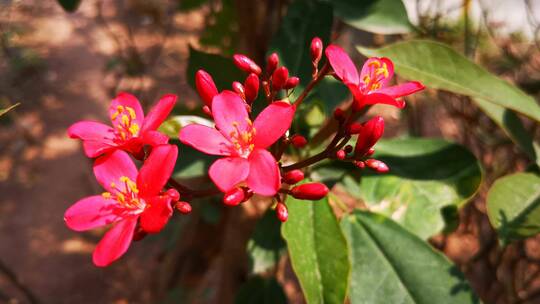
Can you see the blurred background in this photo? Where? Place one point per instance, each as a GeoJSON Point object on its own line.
{"type": "Point", "coordinates": [64, 65]}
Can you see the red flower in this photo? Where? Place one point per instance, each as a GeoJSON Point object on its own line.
{"type": "Point", "coordinates": [370, 87]}
{"type": "Point", "coordinates": [130, 196]}
{"type": "Point", "coordinates": [130, 131]}
{"type": "Point", "coordinates": [242, 142]}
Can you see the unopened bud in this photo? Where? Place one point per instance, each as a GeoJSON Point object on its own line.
{"type": "Point", "coordinates": [348, 149]}
{"type": "Point", "coordinates": [282, 212]}
{"type": "Point", "coordinates": [298, 141]}
{"type": "Point", "coordinates": [279, 78]}
{"type": "Point", "coordinates": [339, 114]}
{"type": "Point", "coordinates": [293, 177]}
{"type": "Point", "coordinates": [360, 164]}
{"type": "Point", "coordinates": [272, 63]}
{"type": "Point", "coordinates": [236, 196]}
{"type": "Point", "coordinates": [292, 82]}
{"type": "Point", "coordinates": [183, 207]}
{"type": "Point", "coordinates": [340, 154]}
{"type": "Point", "coordinates": [316, 49]}
{"type": "Point", "coordinates": [173, 194]}
{"type": "Point", "coordinates": [207, 111]}
{"type": "Point", "coordinates": [238, 88]}
{"type": "Point", "coordinates": [370, 152]}
{"type": "Point", "coordinates": [251, 87]}
{"type": "Point", "coordinates": [205, 87]}
{"type": "Point", "coordinates": [377, 165]}
{"type": "Point", "coordinates": [245, 64]}
{"type": "Point", "coordinates": [310, 191]}
{"type": "Point", "coordinates": [369, 135]}
{"type": "Point", "coordinates": [354, 128]}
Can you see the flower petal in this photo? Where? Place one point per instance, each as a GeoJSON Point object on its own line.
{"type": "Point", "coordinates": [126, 100]}
{"type": "Point", "coordinates": [154, 217]}
{"type": "Point", "coordinates": [230, 114]}
{"type": "Point", "coordinates": [403, 89]}
{"type": "Point", "coordinates": [370, 67]}
{"type": "Point", "coordinates": [226, 173]}
{"type": "Point", "coordinates": [159, 113]}
{"type": "Point", "coordinates": [97, 137]}
{"type": "Point", "coordinates": [154, 138]}
{"type": "Point", "coordinates": [110, 167]}
{"type": "Point", "coordinates": [272, 123]}
{"type": "Point", "coordinates": [91, 212]}
{"type": "Point", "coordinates": [205, 139]}
{"type": "Point", "coordinates": [342, 64]}
{"type": "Point", "coordinates": [263, 176]}
{"type": "Point", "coordinates": [378, 98]}
{"type": "Point", "coordinates": [115, 242]}
{"type": "Point", "coordinates": [156, 170]}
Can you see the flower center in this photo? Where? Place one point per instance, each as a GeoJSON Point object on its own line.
{"type": "Point", "coordinates": [242, 139]}
{"type": "Point", "coordinates": [127, 197]}
{"type": "Point", "coordinates": [126, 128]}
{"type": "Point", "coordinates": [378, 71]}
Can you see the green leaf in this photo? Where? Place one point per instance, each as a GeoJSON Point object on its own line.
{"type": "Point", "coordinates": [261, 291]}
{"type": "Point", "coordinates": [510, 123]}
{"type": "Point", "coordinates": [4, 111]}
{"type": "Point", "coordinates": [222, 69]}
{"type": "Point", "coordinates": [513, 206]}
{"type": "Point", "coordinates": [317, 249]}
{"type": "Point", "coordinates": [439, 66]}
{"type": "Point", "coordinates": [304, 21]}
{"type": "Point", "coordinates": [426, 176]}
{"type": "Point", "coordinates": [69, 5]}
{"type": "Point", "coordinates": [377, 16]}
{"type": "Point", "coordinates": [265, 246]}
{"type": "Point", "coordinates": [391, 265]}
{"type": "Point", "coordinates": [171, 127]}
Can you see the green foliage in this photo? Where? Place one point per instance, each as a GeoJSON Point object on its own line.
{"type": "Point", "coordinates": [317, 249]}
{"type": "Point", "coordinates": [513, 206]}
{"type": "Point", "coordinates": [265, 246]}
{"type": "Point", "coordinates": [391, 265]}
{"type": "Point", "coordinates": [440, 67]}
{"type": "Point", "coordinates": [69, 5]}
{"type": "Point", "coordinates": [222, 69]}
{"type": "Point", "coordinates": [261, 291]}
{"type": "Point", "coordinates": [222, 31]}
{"type": "Point", "coordinates": [377, 16]}
{"type": "Point", "coordinates": [171, 127]}
{"type": "Point", "coordinates": [427, 176]}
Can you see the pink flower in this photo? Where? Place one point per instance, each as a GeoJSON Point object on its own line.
{"type": "Point", "coordinates": [130, 196]}
{"type": "Point", "coordinates": [242, 142]}
{"type": "Point", "coordinates": [370, 87]}
{"type": "Point", "coordinates": [130, 131]}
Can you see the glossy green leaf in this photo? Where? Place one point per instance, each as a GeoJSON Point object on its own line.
{"type": "Point", "coordinates": [391, 265]}
{"type": "Point", "coordinates": [513, 206]}
{"type": "Point", "coordinates": [510, 123]}
{"type": "Point", "coordinates": [439, 66]}
{"type": "Point", "coordinates": [171, 127]}
{"type": "Point", "coordinates": [317, 249]}
{"type": "Point", "coordinates": [265, 246]}
{"type": "Point", "coordinates": [222, 69]}
{"type": "Point", "coordinates": [426, 177]}
{"type": "Point", "coordinates": [69, 5]}
{"type": "Point", "coordinates": [377, 16]}
{"type": "Point", "coordinates": [304, 21]}
{"type": "Point", "coordinates": [261, 291]}
{"type": "Point", "coordinates": [4, 111]}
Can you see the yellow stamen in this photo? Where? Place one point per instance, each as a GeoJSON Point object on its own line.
{"type": "Point", "coordinates": [106, 195]}
{"type": "Point", "coordinates": [131, 112]}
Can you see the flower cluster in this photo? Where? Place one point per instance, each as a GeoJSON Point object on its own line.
{"type": "Point", "coordinates": [251, 147]}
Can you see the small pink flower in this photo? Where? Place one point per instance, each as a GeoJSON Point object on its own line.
{"type": "Point", "coordinates": [370, 87]}
{"type": "Point", "coordinates": [130, 131]}
{"type": "Point", "coordinates": [130, 196]}
{"type": "Point", "coordinates": [242, 142]}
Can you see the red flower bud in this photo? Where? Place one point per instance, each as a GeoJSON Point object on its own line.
{"type": "Point", "coordinates": [173, 194]}
{"type": "Point", "coordinates": [298, 141]}
{"type": "Point", "coordinates": [183, 207]}
{"type": "Point", "coordinates": [360, 164]}
{"type": "Point", "coordinates": [238, 88]}
{"type": "Point", "coordinates": [205, 87]}
{"type": "Point", "coordinates": [251, 86]}
{"type": "Point", "coordinates": [339, 114]}
{"type": "Point", "coordinates": [370, 152]}
{"type": "Point", "coordinates": [245, 64]}
{"type": "Point", "coordinates": [348, 149]}
{"type": "Point", "coordinates": [354, 128]}
{"type": "Point", "coordinates": [279, 78]}
{"type": "Point", "coordinates": [272, 63]}
{"type": "Point", "coordinates": [293, 177]}
{"type": "Point", "coordinates": [282, 212]}
{"type": "Point", "coordinates": [207, 111]}
{"type": "Point", "coordinates": [234, 197]}
{"type": "Point", "coordinates": [291, 83]}
{"type": "Point", "coordinates": [310, 191]}
{"type": "Point", "coordinates": [316, 50]}
{"type": "Point", "coordinates": [369, 135]}
{"type": "Point", "coordinates": [377, 165]}
{"type": "Point", "coordinates": [340, 154]}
